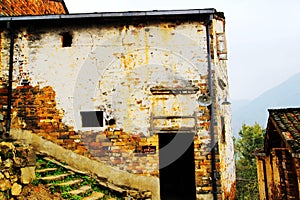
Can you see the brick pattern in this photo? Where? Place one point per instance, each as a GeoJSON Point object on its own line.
{"type": "Point", "coordinates": [114, 147]}
{"type": "Point", "coordinates": [123, 151]}
{"type": "Point", "coordinates": [3, 99]}
{"type": "Point", "coordinates": [35, 109]}
{"type": "Point", "coordinates": [204, 172]}
{"type": "Point", "coordinates": [31, 7]}
{"type": "Point", "coordinates": [202, 149]}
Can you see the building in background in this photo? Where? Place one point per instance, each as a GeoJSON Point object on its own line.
{"type": "Point", "coordinates": [32, 7]}
{"type": "Point", "coordinates": [278, 164]}
{"type": "Point", "coordinates": [142, 92]}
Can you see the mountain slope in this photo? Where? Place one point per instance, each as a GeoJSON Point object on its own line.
{"type": "Point", "coordinates": [284, 95]}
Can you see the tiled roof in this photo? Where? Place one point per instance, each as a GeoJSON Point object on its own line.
{"type": "Point", "coordinates": [288, 122]}
{"type": "Point", "coordinates": [32, 7]}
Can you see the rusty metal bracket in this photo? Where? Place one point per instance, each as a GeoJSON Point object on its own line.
{"type": "Point", "coordinates": [174, 91]}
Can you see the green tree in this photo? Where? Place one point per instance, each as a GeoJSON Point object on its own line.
{"type": "Point", "coordinates": [251, 139]}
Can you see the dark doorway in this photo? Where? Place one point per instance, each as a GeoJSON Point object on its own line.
{"type": "Point", "coordinates": [177, 179]}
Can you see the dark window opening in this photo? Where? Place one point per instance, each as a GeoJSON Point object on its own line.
{"type": "Point", "coordinates": [66, 39]}
{"type": "Point", "coordinates": [92, 118]}
{"type": "Point", "coordinates": [223, 131]}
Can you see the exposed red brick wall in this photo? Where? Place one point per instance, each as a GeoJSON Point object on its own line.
{"type": "Point", "coordinates": [123, 150]}
{"type": "Point", "coordinates": [31, 7]}
{"type": "Point", "coordinates": [35, 109]}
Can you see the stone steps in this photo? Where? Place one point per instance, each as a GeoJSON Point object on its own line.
{"type": "Point", "coordinates": [94, 196]}
{"type": "Point", "coordinates": [45, 170]}
{"type": "Point", "coordinates": [54, 177]}
{"type": "Point", "coordinates": [66, 180]}
{"type": "Point", "coordinates": [81, 190]}
{"type": "Point", "coordinates": [68, 183]}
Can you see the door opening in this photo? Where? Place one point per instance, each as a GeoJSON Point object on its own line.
{"type": "Point", "coordinates": [177, 180]}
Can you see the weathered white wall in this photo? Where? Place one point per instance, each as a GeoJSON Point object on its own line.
{"type": "Point", "coordinates": [114, 67]}
{"type": "Point", "coordinates": [226, 148]}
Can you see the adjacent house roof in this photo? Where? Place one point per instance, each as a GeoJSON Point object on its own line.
{"type": "Point", "coordinates": [32, 7]}
{"type": "Point", "coordinates": [286, 122]}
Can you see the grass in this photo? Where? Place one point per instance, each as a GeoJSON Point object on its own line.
{"type": "Point", "coordinates": [87, 180]}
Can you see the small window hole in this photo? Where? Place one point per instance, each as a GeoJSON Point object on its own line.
{"type": "Point", "coordinates": [66, 38]}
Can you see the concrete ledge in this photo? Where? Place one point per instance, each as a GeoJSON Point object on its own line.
{"type": "Point", "coordinates": [112, 175]}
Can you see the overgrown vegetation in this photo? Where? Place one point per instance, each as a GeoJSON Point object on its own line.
{"type": "Point", "coordinates": [251, 139]}
{"type": "Point", "coordinates": [64, 190]}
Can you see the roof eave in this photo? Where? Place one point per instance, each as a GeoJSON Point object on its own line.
{"type": "Point", "coordinates": [112, 14]}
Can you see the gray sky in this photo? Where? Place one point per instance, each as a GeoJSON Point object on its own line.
{"type": "Point", "coordinates": [263, 36]}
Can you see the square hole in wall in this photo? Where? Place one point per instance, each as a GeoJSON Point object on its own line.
{"type": "Point", "coordinates": [66, 39]}
{"type": "Point", "coordinates": [92, 118]}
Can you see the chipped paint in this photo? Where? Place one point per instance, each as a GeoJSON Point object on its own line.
{"type": "Point", "coordinates": [142, 77]}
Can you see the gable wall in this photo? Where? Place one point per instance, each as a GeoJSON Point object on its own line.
{"type": "Point", "coordinates": [112, 68]}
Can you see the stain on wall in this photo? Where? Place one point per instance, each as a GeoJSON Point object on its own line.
{"type": "Point", "coordinates": [146, 78]}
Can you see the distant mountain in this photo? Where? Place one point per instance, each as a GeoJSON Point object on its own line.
{"type": "Point", "coordinates": [286, 94]}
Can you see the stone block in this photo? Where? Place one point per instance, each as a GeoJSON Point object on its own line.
{"type": "Point", "coordinates": [16, 189]}
{"type": "Point", "coordinates": [64, 135]}
{"type": "Point", "coordinates": [207, 188]}
{"type": "Point", "coordinates": [27, 175]}
{"type": "Point", "coordinates": [5, 185]}
{"type": "Point", "coordinates": [117, 132]}
{"type": "Point", "coordinates": [74, 137]}
{"type": "Point", "coordinates": [94, 145]}
{"type": "Point", "coordinates": [123, 136]}
{"type": "Point", "coordinates": [106, 144]}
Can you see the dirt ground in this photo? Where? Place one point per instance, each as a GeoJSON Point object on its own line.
{"type": "Point", "coordinates": [37, 192]}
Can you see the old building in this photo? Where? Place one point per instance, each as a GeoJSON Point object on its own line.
{"type": "Point", "coordinates": [278, 164]}
{"type": "Point", "coordinates": [32, 7]}
{"type": "Point", "coordinates": [142, 92]}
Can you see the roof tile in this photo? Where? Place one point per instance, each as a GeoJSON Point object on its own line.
{"type": "Point", "coordinates": [288, 121]}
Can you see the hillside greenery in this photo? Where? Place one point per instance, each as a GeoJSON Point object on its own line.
{"type": "Point", "coordinates": [251, 138]}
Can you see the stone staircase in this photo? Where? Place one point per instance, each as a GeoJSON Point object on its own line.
{"type": "Point", "coordinates": [72, 184]}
